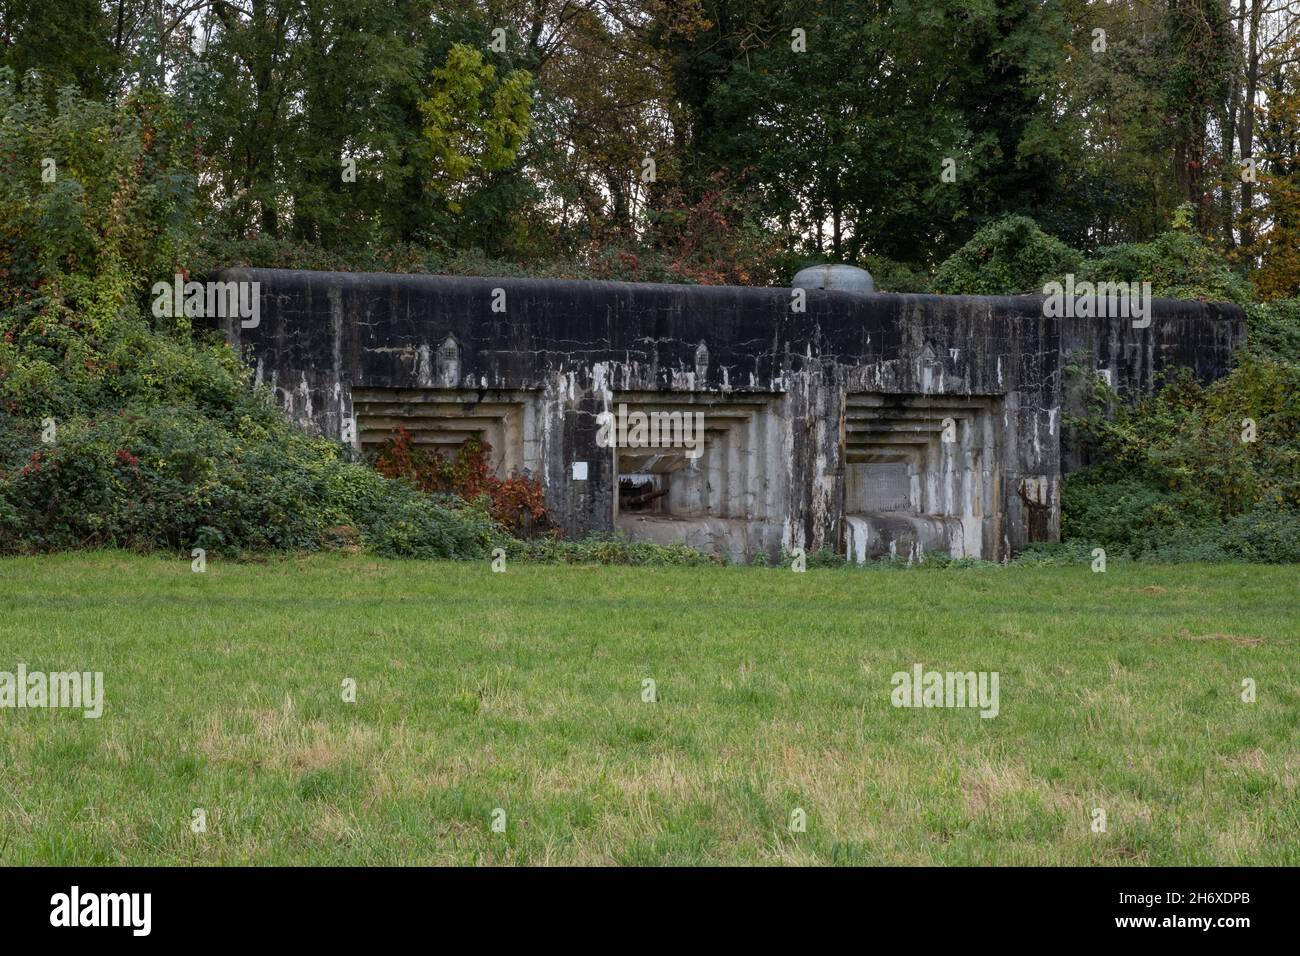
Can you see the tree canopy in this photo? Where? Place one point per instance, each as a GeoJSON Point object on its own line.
{"type": "Point", "coordinates": [623, 136]}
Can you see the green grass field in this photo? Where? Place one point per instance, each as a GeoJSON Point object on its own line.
{"type": "Point", "coordinates": [523, 691]}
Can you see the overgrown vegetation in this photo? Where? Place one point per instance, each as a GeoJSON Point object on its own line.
{"type": "Point", "coordinates": [1195, 472]}
{"type": "Point", "coordinates": [517, 502]}
{"type": "Point", "coordinates": [1008, 257]}
{"type": "Point", "coordinates": [1191, 472]}
{"type": "Point", "coordinates": [120, 428]}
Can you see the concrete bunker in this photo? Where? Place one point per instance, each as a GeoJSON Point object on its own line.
{"type": "Point", "coordinates": [833, 417]}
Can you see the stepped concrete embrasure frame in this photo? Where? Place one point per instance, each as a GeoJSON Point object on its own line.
{"type": "Point", "coordinates": [826, 428]}
{"type": "Point", "coordinates": [922, 474]}
{"type": "Point", "coordinates": [441, 419]}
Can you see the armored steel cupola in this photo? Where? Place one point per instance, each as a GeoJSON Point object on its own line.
{"type": "Point", "coordinates": [835, 278]}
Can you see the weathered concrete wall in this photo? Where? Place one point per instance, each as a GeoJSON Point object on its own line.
{"type": "Point", "coordinates": [785, 391]}
{"type": "Point", "coordinates": [1200, 336]}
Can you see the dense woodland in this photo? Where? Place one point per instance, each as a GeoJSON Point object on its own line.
{"type": "Point", "coordinates": [779, 132]}
{"type": "Point", "coordinates": [976, 146]}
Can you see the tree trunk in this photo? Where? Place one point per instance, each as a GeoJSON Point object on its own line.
{"type": "Point", "coordinates": [1247, 129]}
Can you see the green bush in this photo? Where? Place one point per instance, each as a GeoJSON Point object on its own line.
{"type": "Point", "coordinates": [161, 476]}
{"type": "Point", "coordinates": [1013, 255]}
{"type": "Point", "coordinates": [1268, 533]}
{"type": "Point", "coordinates": [1177, 263]}
{"type": "Point", "coordinates": [1273, 330]}
{"type": "Point", "coordinates": [411, 524]}
{"type": "Point", "coordinates": [158, 439]}
{"type": "Point", "coordinates": [1006, 257]}
{"type": "Point", "coordinates": [1183, 476]}
{"type": "Point", "coordinates": [1126, 514]}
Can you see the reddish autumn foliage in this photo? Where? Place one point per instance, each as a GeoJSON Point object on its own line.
{"type": "Point", "coordinates": [517, 503]}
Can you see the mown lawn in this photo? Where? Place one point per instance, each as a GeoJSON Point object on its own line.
{"type": "Point", "coordinates": [523, 691]}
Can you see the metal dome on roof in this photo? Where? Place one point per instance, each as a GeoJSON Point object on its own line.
{"type": "Point", "coordinates": [835, 277]}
